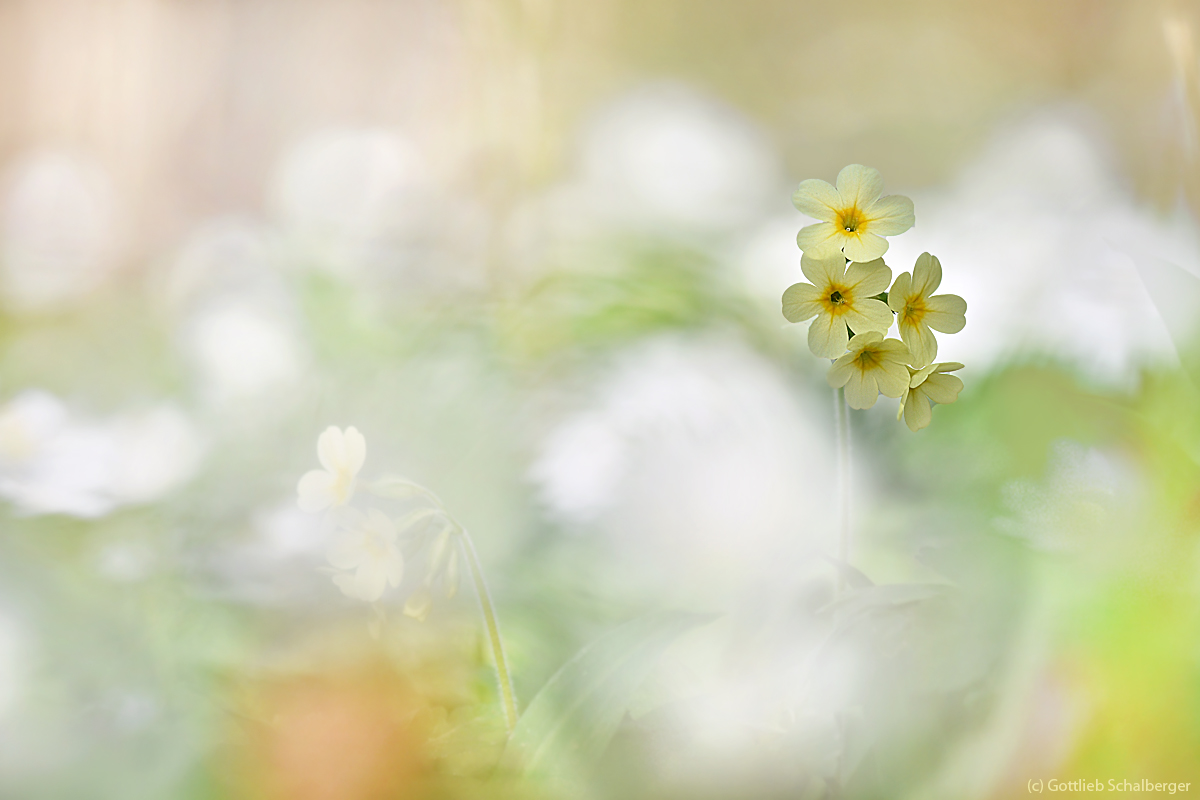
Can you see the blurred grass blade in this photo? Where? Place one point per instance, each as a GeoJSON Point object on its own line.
{"type": "Point", "coordinates": [570, 722]}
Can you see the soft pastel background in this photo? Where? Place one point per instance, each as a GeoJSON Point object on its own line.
{"type": "Point", "coordinates": [534, 250]}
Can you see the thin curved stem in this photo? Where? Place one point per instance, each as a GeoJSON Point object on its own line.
{"type": "Point", "coordinates": [842, 421]}
{"type": "Point", "coordinates": [508, 698]}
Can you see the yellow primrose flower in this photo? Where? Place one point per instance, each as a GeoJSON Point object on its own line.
{"type": "Point", "coordinates": [872, 366]}
{"type": "Point", "coordinates": [839, 296]}
{"type": "Point", "coordinates": [917, 311]}
{"type": "Point", "coordinates": [341, 455]}
{"type": "Point", "coordinates": [366, 552]}
{"type": "Point", "coordinates": [929, 383]}
{"type": "Point", "coordinates": [855, 216]}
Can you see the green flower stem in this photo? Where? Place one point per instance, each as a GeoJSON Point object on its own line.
{"type": "Point", "coordinates": [842, 420]}
{"type": "Point", "coordinates": [508, 698]}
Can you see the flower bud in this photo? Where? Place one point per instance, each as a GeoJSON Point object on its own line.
{"type": "Point", "coordinates": [419, 603]}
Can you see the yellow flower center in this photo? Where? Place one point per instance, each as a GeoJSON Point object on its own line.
{"type": "Point", "coordinates": [851, 220]}
{"type": "Point", "coordinates": [914, 310]}
{"type": "Point", "coordinates": [868, 359]}
{"type": "Point", "coordinates": [838, 299]}
{"type": "Point", "coordinates": [375, 545]}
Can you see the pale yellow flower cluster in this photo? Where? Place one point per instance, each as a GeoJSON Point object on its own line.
{"type": "Point", "coordinates": [365, 551]}
{"type": "Point", "coordinates": [852, 308]}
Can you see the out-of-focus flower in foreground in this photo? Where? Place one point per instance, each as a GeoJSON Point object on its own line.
{"type": "Point", "coordinates": [855, 215]}
{"type": "Point", "coordinates": [929, 383]}
{"type": "Point", "coordinates": [365, 551]}
{"type": "Point", "coordinates": [871, 366]}
{"type": "Point", "coordinates": [919, 312]}
{"type": "Point", "coordinates": [840, 296]}
{"type": "Point", "coordinates": [342, 455]}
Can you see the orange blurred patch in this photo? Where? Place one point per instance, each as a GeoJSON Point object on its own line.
{"type": "Point", "coordinates": [335, 737]}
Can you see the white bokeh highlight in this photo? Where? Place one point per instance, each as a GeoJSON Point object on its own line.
{"type": "Point", "coordinates": [58, 231]}
{"type": "Point", "coordinates": [55, 462]}
{"type": "Point", "coordinates": [697, 460]}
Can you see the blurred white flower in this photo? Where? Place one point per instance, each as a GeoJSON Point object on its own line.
{"type": "Point", "coordinates": [229, 257]}
{"type": "Point", "coordinates": [365, 549]}
{"type": "Point", "coordinates": [26, 424]}
{"type": "Point", "coordinates": [1088, 501]}
{"type": "Point", "coordinates": [342, 455]}
{"type": "Point", "coordinates": [59, 238]}
{"type": "Point", "coordinates": [769, 260]}
{"type": "Point", "coordinates": [51, 462]}
{"type": "Point", "coordinates": [284, 531]}
{"type": "Point", "coordinates": [362, 204]}
{"type": "Point", "coordinates": [159, 450]}
{"type": "Point", "coordinates": [125, 562]}
{"type": "Point", "coordinates": [1043, 206]}
{"type": "Point", "coordinates": [243, 350]}
{"type": "Point", "coordinates": [664, 161]}
{"type": "Point", "coordinates": [340, 182]}
{"type": "Point", "coordinates": [667, 154]}
{"type": "Point", "coordinates": [697, 459]}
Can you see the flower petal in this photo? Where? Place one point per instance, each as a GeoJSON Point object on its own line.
{"type": "Point", "coordinates": [864, 246]}
{"type": "Point", "coordinates": [801, 301]}
{"type": "Point", "coordinates": [869, 278]}
{"type": "Point", "coordinates": [890, 215]}
{"type": "Point", "coordinates": [348, 584]}
{"type": "Point", "coordinates": [356, 450]}
{"type": "Point", "coordinates": [859, 186]}
{"type": "Point", "coordinates": [331, 449]}
{"type": "Point", "coordinates": [818, 199]}
{"type": "Point", "coordinates": [862, 340]}
{"type": "Point", "coordinates": [393, 568]}
{"type": "Point", "coordinates": [823, 269]}
{"type": "Point", "coordinates": [371, 578]}
{"type": "Point", "coordinates": [946, 313]}
{"type": "Point", "coordinates": [823, 237]}
{"type": "Point", "coordinates": [948, 366]}
{"type": "Point", "coordinates": [922, 344]}
{"type": "Point", "coordinates": [419, 603]}
{"type": "Point", "coordinates": [917, 413]}
{"type": "Point", "coordinates": [919, 376]}
{"type": "Point", "coordinates": [346, 550]}
{"type": "Point", "coordinates": [898, 294]}
{"type": "Point", "coordinates": [380, 524]}
{"type": "Point", "coordinates": [315, 491]}
{"type": "Point", "coordinates": [927, 275]}
{"type": "Point", "coordinates": [891, 378]}
{"type": "Point", "coordinates": [841, 371]}
{"type": "Point", "coordinates": [827, 336]}
{"type": "Point", "coordinates": [942, 388]}
{"type": "Point", "coordinates": [861, 390]}
{"type": "Point", "coordinates": [894, 350]}
{"type": "Point", "coordinates": [869, 315]}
